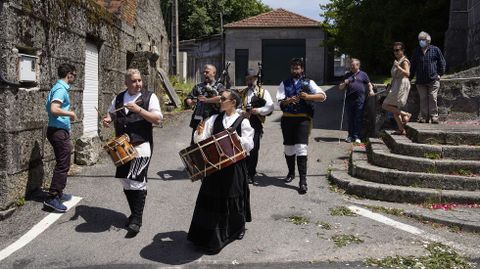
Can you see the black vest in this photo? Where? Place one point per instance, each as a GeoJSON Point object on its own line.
{"type": "Point", "coordinates": [138, 129]}
{"type": "Point", "coordinates": [218, 125]}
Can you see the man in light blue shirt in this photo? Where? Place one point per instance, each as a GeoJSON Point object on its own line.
{"type": "Point", "coordinates": [58, 134]}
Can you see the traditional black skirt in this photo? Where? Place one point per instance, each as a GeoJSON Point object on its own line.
{"type": "Point", "coordinates": [222, 208]}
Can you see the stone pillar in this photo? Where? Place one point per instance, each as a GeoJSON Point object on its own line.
{"type": "Point", "coordinates": [456, 36]}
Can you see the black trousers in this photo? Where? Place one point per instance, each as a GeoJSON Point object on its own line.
{"type": "Point", "coordinates": [252, 159]}
{"type": "Point", "coordinates": [62, 147]}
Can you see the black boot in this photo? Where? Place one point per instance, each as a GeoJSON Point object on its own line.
{"type": "Point", "coordinates": [130, 196]}
{"type": "Point", "coordinates": [291, 168]}
{"type": "Point", "coordinates": [302, 170]}
{"type": "Point", "coordinates": [137, 213]}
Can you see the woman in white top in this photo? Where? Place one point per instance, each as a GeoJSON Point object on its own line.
{"type": "Point", "coordinates": [223, 202]}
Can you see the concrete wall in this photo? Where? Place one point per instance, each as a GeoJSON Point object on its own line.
{"type": "Point", "coordinates": [251, 39]}
{"type": "Point", "coordinates": [57, 31]}
{"type": "Point", "coordinates": [462, 40]}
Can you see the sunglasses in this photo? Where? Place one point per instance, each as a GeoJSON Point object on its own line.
{"type": "Point", "coordinates": [224, 99]}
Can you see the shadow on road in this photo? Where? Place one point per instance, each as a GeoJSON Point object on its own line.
{"type": "Point", "coordinates": [179, 174]}
{"type": "Point", "coordinates": [171, 248]}
{"type": "Point", "coordinates": [98, 219]}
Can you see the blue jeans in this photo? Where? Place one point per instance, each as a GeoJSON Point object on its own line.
{"type": "Point", "coordinates": [354, 108]}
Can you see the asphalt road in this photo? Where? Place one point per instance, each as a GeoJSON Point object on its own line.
{"type": "Point", "coordinates": [92, 234]}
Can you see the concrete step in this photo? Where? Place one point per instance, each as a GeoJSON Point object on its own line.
{"type": "Point", "coordinates": [401, 144]}
{"type": "Point", "coordinates": [451, 134]}
{"type": "Point", "coordinates": [402, 194]}
{"type": "Point", "coordinates": [380, 155]}
{"type": "Point", "coordinates": [360, 168]}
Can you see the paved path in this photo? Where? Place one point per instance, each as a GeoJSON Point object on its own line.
{"type": "Point", "coordinates": [92, 234]}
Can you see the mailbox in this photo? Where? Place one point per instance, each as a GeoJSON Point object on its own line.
{"type": "Point", "coordinates": [27, 67]}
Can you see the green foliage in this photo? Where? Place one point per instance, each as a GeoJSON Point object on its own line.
{"type": "Point", "coordinates": [439, 257]}
{"type": "Point", "coordinates": [342, 240]}
{"type": "Point", "coordinates": [324, 225]}
{"type": "Point", "coordinates": [20, 201]}
{"type": "Point", "coordinates": [298, 220]}
{"type": "Point", "coordinates": [387, 210]}
{"type": "Point", "coordinates": [200, 18]}
{"type": "Point", "coordinates": [433, 155]}
{"type": "Point", "coordinates": [366, 29]}
{"type": "Point", "coordinates": [341, 211]}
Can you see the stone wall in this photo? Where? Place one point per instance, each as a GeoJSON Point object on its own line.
{"type": "Point", "coordinates": [57, 31]}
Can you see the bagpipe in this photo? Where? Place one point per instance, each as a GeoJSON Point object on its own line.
{"type": "Point", "coordinates": [257, 100]}
{"type": "Point", "coordinates": [210, 91]}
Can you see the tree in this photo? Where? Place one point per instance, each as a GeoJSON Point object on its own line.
{"type": "Point", "coordinates": [200, 18]}
{"type": "Point", "coordinates": [366, 29]}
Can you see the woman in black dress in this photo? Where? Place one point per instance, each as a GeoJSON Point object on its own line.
{"type": "Point", "coordinates": [223, 202]}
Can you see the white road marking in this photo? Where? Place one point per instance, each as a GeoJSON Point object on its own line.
{"type": "Point", "coordinates": [37, 229]}
{"type": "Point", "coordinates": [405, 227]}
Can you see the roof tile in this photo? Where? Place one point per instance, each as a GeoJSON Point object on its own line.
{"type": "Point", "coordinates": [278, 18]}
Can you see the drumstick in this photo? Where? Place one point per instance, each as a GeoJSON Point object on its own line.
{"type": "Point", "coordinates": [139, 101]}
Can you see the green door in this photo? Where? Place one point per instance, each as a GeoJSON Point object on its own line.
{"type": "Point", "coordinates": [276, 56]}
{"type": "Point", "coordinates": [241, 66]}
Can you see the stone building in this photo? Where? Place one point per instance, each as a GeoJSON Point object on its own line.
{"type": "Point", "coordinates": [462, 40]}
{"type": "Point", "coordinates": [273, 38]}
{"type": "Point", "coordinates": [102, 39]}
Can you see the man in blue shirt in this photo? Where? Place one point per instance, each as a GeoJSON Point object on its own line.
{"type": "Point", "coordinates": [357, 83]}
{"type": "Point", "coordinates": [58, 134]}
{"type": "Point", "coordinates": [428, 64]}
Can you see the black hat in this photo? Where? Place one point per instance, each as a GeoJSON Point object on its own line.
{"type": "Point", "coordinates": [251, 72]}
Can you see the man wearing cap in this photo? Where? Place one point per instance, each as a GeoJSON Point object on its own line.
{"type": "Point", "coordinates": [295, 96]}
{"type": "Point", "coordinates": [256, 104]}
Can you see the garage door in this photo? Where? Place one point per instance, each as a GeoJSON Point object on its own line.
{"type": "Point", "coordinates": [276, 56]}
{"type": "Point", "coordinates": [90, 93]}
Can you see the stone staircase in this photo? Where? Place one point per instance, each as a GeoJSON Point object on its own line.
{"type": "Point", "coordinates": [432, 164]}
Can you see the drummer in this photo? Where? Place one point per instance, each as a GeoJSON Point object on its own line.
{"type": "Point", "coordinates": [223, 202]}
{"type": "Point", "coordinates": [138, 110]}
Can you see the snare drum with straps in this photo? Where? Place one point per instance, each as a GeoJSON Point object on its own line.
{"type": "Point", "coordinates": [120, 149]}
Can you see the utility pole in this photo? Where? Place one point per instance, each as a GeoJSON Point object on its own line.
{"type": "Point", "coordinates": [174, 41]}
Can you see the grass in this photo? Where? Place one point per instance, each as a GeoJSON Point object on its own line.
{"type": "Point", "coordinates": [20, 201]}
{"type": "Point", "coordinates": [439, 257]}
{"type": "Point", "coordinates": [463, 172]}
{"type": "Point", "coordinates": [342, 240]}
{"type": "Point", "coordinates": [298, 220]}
{"type": "Point", "coordinates": [433, 155]}
{"type": "Point", "coordinates": [432, 170]}
{"type": "Point", "coordinates": [390, 211]}
{"type": "Point", "coordinates": [381, 79]}
{"type": "Point", "coordinates": [341, 211]}
{"type": "Point", "coordinates": [182, 90]}
{"type": "Point", "coordinates": [324, 225]}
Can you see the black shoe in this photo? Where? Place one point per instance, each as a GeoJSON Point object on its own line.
{"type": "Point", "coordinates": [241, 235]}
{"type": "Point", "coordinates": [289, 178]}
{"type": "Point", "coordinates": [302, 189]}
{"type": "Point", "coordinates": [134, 228]}
{"type": "Point", "coordinates": [251, 180]}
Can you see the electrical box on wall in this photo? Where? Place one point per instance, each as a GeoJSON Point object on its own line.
{"type": "Point", "coordinates": [27, 67]}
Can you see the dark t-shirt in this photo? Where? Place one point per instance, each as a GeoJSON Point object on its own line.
{"type": "Point", "coordinates": [358, 84]}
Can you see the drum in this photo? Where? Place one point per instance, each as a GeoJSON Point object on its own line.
{"type": "Point", "coordinates": [120, 149]}
{"type": "Point", "coordinates": [212, 154]}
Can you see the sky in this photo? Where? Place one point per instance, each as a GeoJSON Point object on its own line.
{"type": "Point", "coordinates": [307, 8]}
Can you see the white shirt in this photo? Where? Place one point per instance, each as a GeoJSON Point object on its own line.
{"type": "Point", "coordinates": [247, 131]}
{"type": "Point", "coordinates": [153, 106]}
{"type": "Point", "coordinates": [313, 86]}
{"type": "Point", "coordinates": [268, 107]}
